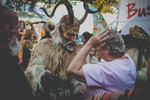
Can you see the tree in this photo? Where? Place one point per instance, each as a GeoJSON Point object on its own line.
{"type": "Point", "coordinates": [107, 4]}
{"type": "Point", "coordinates": [21, 4]}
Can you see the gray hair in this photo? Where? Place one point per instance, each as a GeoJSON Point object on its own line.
{"type": "Point", "coordinates": [115, 44]}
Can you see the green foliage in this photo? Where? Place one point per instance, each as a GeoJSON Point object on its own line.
{"type": "Point", "coordinates": [21, 4]}
{"type": "Point", "coordinates": [107, 5]}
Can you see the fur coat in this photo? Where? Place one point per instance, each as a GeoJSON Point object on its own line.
{"type": "Point", "coordinates": [47, 56]}
{"type": "Point", "coordinates": [142, 69]}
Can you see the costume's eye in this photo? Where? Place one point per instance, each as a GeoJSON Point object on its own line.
{"type": "Point", "coordinates": [70, 34]}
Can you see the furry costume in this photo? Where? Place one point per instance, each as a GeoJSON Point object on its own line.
{"type": "Point", "coordinates": [44, 56]}
{"type": "Point", "coordinates": [50, 55]}
{"type": "Point", "coordinates": [137, 43]}
{"type": "Point", "coordinates": [26, 44]}
{"type": "Point", "coordinates": [141, 70]}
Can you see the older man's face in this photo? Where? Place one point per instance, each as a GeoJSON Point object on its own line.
{"type": "Point", "coordinates": [69, 38]}
{"type": "Point", "coordinates": [71, 34]}
{"type": "Point", "coordinates": [14, 44]}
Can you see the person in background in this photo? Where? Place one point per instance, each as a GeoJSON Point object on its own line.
{"type": "Point", "coordinates": [117, 73]}
{"type": "Point", "coordinates": [27, 42]}
{"type": "Point", "coordinates": [138, 47]}
{"type": "Point", "coordinates": [85, 37]}
{"type": "Point", "coordinates": [14, 84]}
{"type": "Point", "coordinates": [92, 56]}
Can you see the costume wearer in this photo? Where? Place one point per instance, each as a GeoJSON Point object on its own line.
{"type": "Point", "coordinates": [137, 47]}
{"type": "Point", "coordinates": [116, 75]}
{"type": "Point", "coordinates": [14, 84]}
{"type": "Point", "coordinates": [141, 70]}
{"type": "Point", "coordinates": [28, 39]}
{"type": "Point", "coordinates": [48, 57]}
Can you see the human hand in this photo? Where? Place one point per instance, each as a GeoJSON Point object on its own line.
{"type": "Point", "coordinates": [99, 38]}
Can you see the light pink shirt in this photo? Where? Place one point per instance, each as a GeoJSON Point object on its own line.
{"type": "Point", "coordinates": [116, 75]}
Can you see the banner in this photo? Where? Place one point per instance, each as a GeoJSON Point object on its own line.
{"type": "Point", "coordinates": [133, 12]}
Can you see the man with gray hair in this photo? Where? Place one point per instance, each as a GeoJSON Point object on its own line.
{"type": "Point", "coordinates": [14, 84]}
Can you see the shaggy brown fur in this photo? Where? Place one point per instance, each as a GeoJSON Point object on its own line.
{"type": "Point", "coordinates": [49, 55]}
{"type": "Point", "coordinates": [26, 45]}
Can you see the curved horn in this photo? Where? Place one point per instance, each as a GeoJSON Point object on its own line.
{"type": "Point", "coordinates": [69, 9]}
{"type": "Point", "coordinates": [59, 3]}
{"type": "Point", "coordinates": [45, 12]}
{"type": "Point", "coordinates": [86, 12]}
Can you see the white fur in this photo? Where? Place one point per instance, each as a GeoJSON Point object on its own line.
{"type": "Point", "coordinates": [14, 49]}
